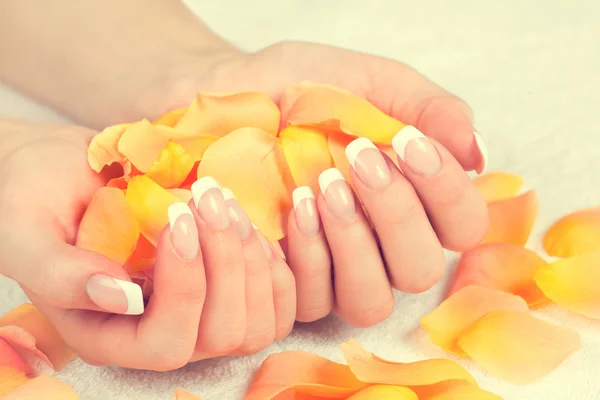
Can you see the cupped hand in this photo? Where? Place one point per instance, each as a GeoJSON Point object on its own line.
{"type": "Point", "coordinates": [419, 200]}
{"type": "Point", "coordinates": [219, 288]}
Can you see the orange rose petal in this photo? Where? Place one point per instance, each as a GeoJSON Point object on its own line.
{"type": "Point", "coordinates": [446, 323]}
{"type": "Point", "coordinates": [10, 379]}
{"type": "Point", "coordinates": [195, 146]}
{"type": "Point", "coordinates": [172, 166]}
{"type": "Point", "coordinates": [574, 234]}
{"type": "Point", "coordinates": [511, 220]}
{"type": "Point", "coordinates": [501, 266]}
{"type": "Point", "coordinates": [453, 390]}
{"type": "Point", "coordinates": [171, 118]}
{"type": "Point", "coordinates": [497, 186]}
{"type": "Point", "coordinates": [149, 203]}
{"type": "Point", "coordinates": [369, 368]}
{"type": "Point", "coordinates": [332, 108]}
{"type": "Point", "coordinates": [573, 283]}
{"type": "Point", "coordinates": [142, 258]}
{"type": "Point", "coordinates": [387, 392]}
{"type": "Point", "coordinates": [337, 147]}
{"type": "Point", "coordinates": [307, 153]}
{"type": "Point", "coordinates": [251, 163]}
{"type": "Point", "coordinates": [181, 394]}
{"type": "Point", "coordinates": [9, 357]}
{"type": "Point", "coordinates": [23, 344]}
{"type": "Point", "coordinates": [43, 387]}
{"type": "Point", "coordinates": [298, 371]}
{"type": "Point", "coordinates": [517, 347]}
{"type": "Point", "coordinates": [103, 149]}
{"type": "Point", "coordinates": [47, 339]}
{"type": "Point", "coordinates": [119, 183]}
{"type": "Point", "coordinates": [220, 114]}
{"type": "Point", "coordinates": [108, 226]}
{"type": "Point", "coordinates": [142, 143]}
{"type": "Point", "coordinates": [184, 194]}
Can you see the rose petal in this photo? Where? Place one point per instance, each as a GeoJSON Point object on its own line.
{"type": "Point", "coordinates": [142, 258]}
{"type": "Point", "coordinates": [517, 347]}
{"type": "Point", "coordinates": [149, 203]}
{"type": "Point", "coordinates": [454, 390]}
{"type": "Point", "coordinates": [103, 149]}
{"type": "Point", "coordinates": [574, 234]}
{"type": "Point", "coordinates": [119, 183]}
{"type": "Point", "coordinates": [337, 147]}
{"type": "Point", "coordinates": [181, 394]}
{"type": "Point", "coordinates": [195, 145]}
{"type": "Point", "coordinates": [386, 392]}
{"type": "Point", "coordinates": [573, 283]}
{"type": "Point", "coordinates": [497, 186]}
{"type": "Point", "coordinates": [307, 153]}
{"type": "Point", "coordinates": [171, 118]}
{"type": "Point", "coordinates": [220, 114]}
{"type": "Point", "coordinates": [297, 371]}
{"type": "Point", "coordinates": [369, 368]}
{"type": "Point", "coordinates": [184, 194]}
{"type": "Point", "coordinates": [9, 357]}
{"type": "Point", "coordinates": [142, 143]}
{"type": "Point", "coordinates": [251, 163]}
{"type": "Point", "coordinates": [332, 108]}
{"type": "Point", "coordinates": [172, 166]}
{"type": "Point", "coordinates": [511, 220]}
{"type": "Point", "coordinates": [43, 387]}
{"type": "Point", "coordinates": [10, 379]}
{"type": "Point", "coordinates": [47, 339]}
{"type": "Point", "coordinates": [446, 323]}
{"type": "Point", "coordinates": [501, 266]}
{"type": "Point", "coordinates": [24, 345]}
{"type": "Point", "coordinates": [109, 226]}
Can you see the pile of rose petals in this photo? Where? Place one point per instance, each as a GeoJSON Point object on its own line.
{"type": "Point", "coordinates": [486, 315]}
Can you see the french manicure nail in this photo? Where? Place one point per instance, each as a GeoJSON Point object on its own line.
{"type": "Point", "coordinates": [265, 243]}
{"type": "Point", "coordinates": [417, 151]}
{"type": "Point", "coordinates": [483, 150]}
{"type": "Point", "coordinates": [184, 232]}
{"type": "Point", "coordinates": [237, 215]}
{"type": "Point", "coordinates": [305, 209]}
{"type": "Point", "coordinates": [210, 203]}
{"type": "Point", "coordinates": [115, 295]}
{"type": "Point", "coordinates": [368, 163]}
{"type": "Point", "coordinates": [337, 193]}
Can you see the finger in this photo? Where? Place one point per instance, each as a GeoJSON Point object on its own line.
{"type": "Point", "coordinates": [362, 290]}
{"type": "Point", "coordinates": [260, 311]}
{"type": "Point", "coordinates": [309, 258]}
{"type": "Point", "coordinates": [223, 324]}
{"type": "Point", "coordinates": [404, 93]}
{"type": "Point", "coordinates": [456, 209]}
{"type": "Point", "coordinates": [413, 253]}
{"type": "Point", "coordinates": [164, 337]}
{"type": "Point", "coordinates": [94, 281]}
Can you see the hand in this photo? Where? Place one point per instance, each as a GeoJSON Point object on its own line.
{"type": "Point", "coordinates": [218, 289]}
{"type": "Point", "coordinates": [433, 204]}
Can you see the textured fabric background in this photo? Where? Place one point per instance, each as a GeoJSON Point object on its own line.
{"type": "Point", "coordinates": [529, 68]}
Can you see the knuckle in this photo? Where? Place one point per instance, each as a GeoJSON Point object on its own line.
{"type": "Point", "coordinates": [406, 215]}
{"type": "Point", "coordinates": [449, 194]}
{"type": "Point", "coordinates": [167, 357]}
{"type": "Point", "coordinates": [258, 342]}
{"type": "Point", "coordinates": [366, 316]}
{"type": "Point", "coordinates": [314, 312]}
{"type": "Point", "coordinates": [226, 342]}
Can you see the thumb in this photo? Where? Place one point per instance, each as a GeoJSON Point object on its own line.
{"type": "Point", "coordinates": [68, 277]}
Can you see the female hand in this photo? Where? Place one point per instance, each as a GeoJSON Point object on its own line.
{"type": "Point", "coordinates": [218, 286]}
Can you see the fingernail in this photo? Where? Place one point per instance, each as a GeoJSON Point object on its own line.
{"type": "Point", "coordinates": [115, 295]}
{"type": "Point", "coordinates": [184, 232]}
{"type": "Point", "coordinates": [237, 215]}
{"type": "Point", "coordinates": [337, 193]}
{"type": "Point", "coordinates": [305, 209]}
{"type": "Point", "coordinates": [210, 203]}
{"type": "Point", "coordinates": [368, 163]}
{"type": "Point", "coordinates": [483, 150]}
{"type": "Point", "coordinates": [265, 243]}
{"type": "Point", "coordinates": [417, 151]}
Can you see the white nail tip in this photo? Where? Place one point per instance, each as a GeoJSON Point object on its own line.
{"type": "Point", "coordinates": [301, 193]}
{"type": "Point", "coordinates": [175, 211]}
{"type": "Point", "coordinates": [483, 149]}
{"type": "Point", "coordinates": [135, 299]}
{"type": "Point", "coordinates": [356, 146]}
{"type": "Point", "coordinates": [227, 194]}
{"type": "Point", "coordinates": [329, 176]}
{"type": "Point", "coordinates": [405, 135]}
{"type": "Point", "coordinates": [201, 186]}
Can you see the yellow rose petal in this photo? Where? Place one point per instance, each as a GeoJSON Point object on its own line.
{"type": "Point", "coordinates": [574, 234]}
{"type": "Point", "coordinates": [497, 186]}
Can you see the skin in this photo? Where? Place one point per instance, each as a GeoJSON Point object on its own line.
{"type": "Point", "coordinates": [46, 185]}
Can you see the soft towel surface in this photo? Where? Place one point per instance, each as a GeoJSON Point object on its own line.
{"type": "Point", "coordinates": [530, 69]}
